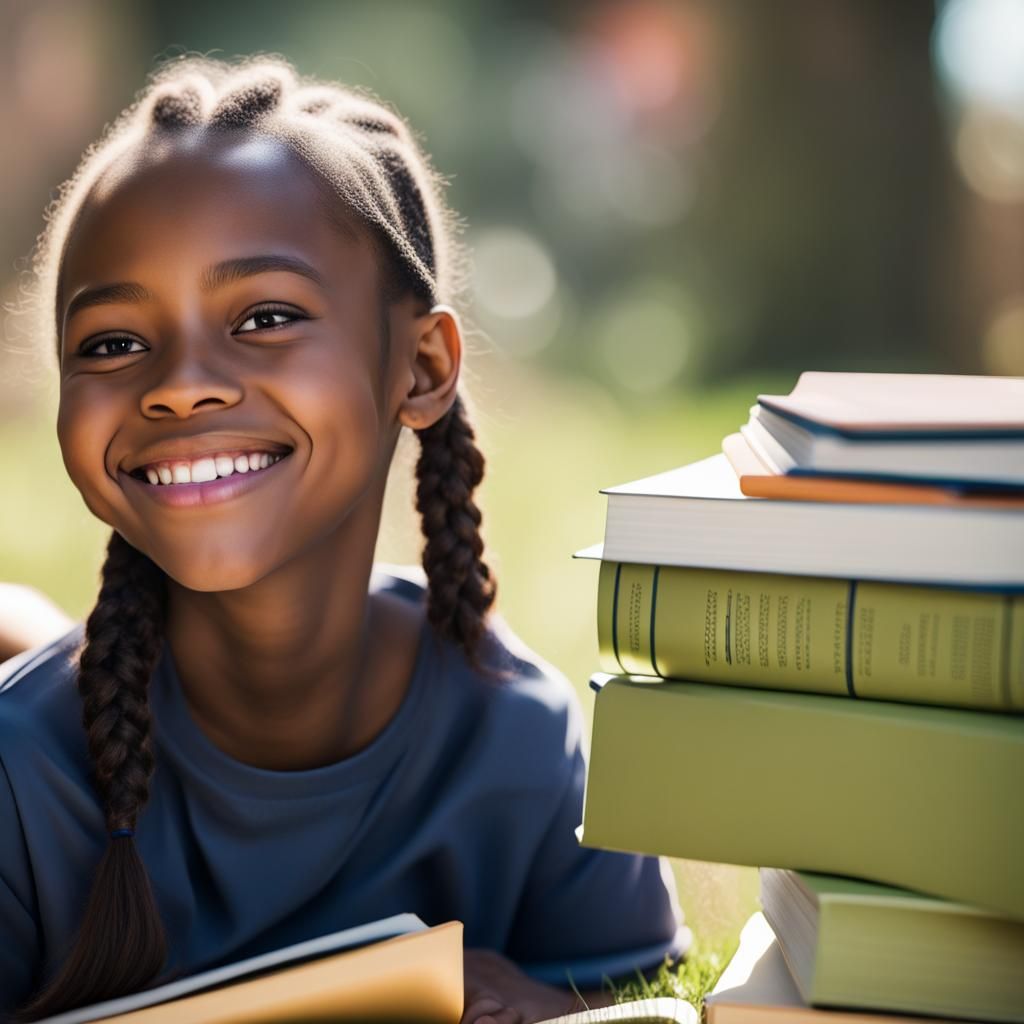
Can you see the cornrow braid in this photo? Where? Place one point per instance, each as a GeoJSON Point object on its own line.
{"type": "Point", "coordinates": [243, 107]}
{"type": "Point", "coordinates": [121, 928]}
{"type": "Point", "coordinates": [462, 588]}
{"type": "Point", "coordinates": [180, 109]}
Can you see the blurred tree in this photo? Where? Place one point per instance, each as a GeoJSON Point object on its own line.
{"type": "Point", "coordinates": [828, 212]}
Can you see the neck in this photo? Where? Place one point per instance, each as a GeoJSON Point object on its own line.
{"type": "Point", "coordinates": [301, 668]}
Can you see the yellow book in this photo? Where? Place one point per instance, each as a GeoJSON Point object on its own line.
{"type": "Point", "coordinates": [393, 970]}
{"type": "Point", "coordinates": [882, 641]}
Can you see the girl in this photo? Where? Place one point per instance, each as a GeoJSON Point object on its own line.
{"type": "Point", "coordinates": [244, 283]}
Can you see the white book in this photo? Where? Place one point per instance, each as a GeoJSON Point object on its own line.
{"type": "Point", "coordinates": [906, 404]}
{"type": "Point", "coordinates": [697, 515]}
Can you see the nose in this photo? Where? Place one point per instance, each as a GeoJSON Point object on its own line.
{"type": "Point", "coordinates": [187, 386]}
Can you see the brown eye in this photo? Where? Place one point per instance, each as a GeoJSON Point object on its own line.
{"type": "Point", "coordinates": [267, 318]}
{"type": "Point", "coordinates": [116, 347]}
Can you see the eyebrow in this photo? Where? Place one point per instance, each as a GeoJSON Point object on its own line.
{"type": "Point", "coordinates": [213, 277]}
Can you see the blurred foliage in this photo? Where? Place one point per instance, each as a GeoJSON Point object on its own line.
{"type": "Point", "coordinates": [658, 192]}
{"type": "Point", "coordinates": [728, 186]}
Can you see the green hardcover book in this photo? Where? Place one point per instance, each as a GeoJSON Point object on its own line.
{"type": "Point", "coordinates": [923, 798]}
{"type": "Point", "coordinates": [757, 988]}
{"type": "Point", "coordinates": [884, 641]}
{"type": "Point", "coordinates": [859, 945]}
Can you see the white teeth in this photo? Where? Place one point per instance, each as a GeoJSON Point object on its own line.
{"type": "Point", "coordinates": [203, 470]}
{"type": "Point", "coordinates": [209, 467]}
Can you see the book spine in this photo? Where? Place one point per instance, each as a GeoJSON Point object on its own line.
{"type": "Point", "coordinates": [881, 641]}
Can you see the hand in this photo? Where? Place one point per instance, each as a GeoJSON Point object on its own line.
{"type": "Point", "coordinates": [498, 992]}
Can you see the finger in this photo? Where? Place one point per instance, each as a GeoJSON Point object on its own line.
{"type": "Point", "coordinates": [506, 1016]}
{"type": "Point", "coordinates": [479, 1008]}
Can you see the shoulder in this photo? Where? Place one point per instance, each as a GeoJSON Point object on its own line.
{"type": "Point", "coordinates": [44, 769]}
{"type": "Point", "coordinates": [39, 704]}
{"type": "Point", "coordinates": [527, 708]}
{"type": "Point", "coordinates": [401, 580]}
{"type": "Point", "coordinates": [48, 807]}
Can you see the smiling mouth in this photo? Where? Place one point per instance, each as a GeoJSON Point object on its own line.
{"type": "Point", "coordinates": [173, 472]}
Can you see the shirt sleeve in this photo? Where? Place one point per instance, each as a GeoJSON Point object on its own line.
{"type": "Point", "coordinates": [587, 914]}
{"type": "Point", "coordinates": [19, 939]}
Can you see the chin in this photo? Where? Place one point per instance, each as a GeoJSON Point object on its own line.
{"type": "Point", "coordinates": [215, 578]}
{"type": "Point", "coordinates": [210, 571]}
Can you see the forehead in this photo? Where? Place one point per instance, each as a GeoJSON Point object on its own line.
{"type": "Point", "coordinates": [178, 207]}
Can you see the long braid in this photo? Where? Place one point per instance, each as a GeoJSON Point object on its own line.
{"type": "Point", "coordinates": [462, 588]}
{"type": "Point", "coordinates": [120, 945]}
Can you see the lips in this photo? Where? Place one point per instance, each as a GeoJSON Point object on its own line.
{"type": "Point", "coordinates": [189, 450]}
{"type": "Point", "coordinates": [208, 492]}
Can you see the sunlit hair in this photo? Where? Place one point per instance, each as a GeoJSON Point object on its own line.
{"type": "Point", "coordinates": [366, 162]}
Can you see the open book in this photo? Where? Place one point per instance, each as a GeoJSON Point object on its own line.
{"type": "Point", "coordinates": [395, 969]}
{"type": "Point", "coordinates": [659, 1010]}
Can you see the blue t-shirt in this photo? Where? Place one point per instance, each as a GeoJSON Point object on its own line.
{"type": "Point", "coordinates": [463, 808]}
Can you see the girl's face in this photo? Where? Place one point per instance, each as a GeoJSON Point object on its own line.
{"type": "Point", "coordinates": [211, 312]}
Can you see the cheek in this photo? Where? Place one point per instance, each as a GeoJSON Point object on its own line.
{"type": "Point", "coordinates": [86, 422]}
{"type": "Point", "coordinates": [335, 403]}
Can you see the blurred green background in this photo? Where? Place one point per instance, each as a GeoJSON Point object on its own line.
{"type": "Point", "coordinates": [671, 206]}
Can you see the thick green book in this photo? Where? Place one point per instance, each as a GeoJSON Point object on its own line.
{"type": "Point", "coordinates": [860, 945]}
{"type": "Point", "coordinates": [757, 988]}
{"type": "Point", "coordinates": [884, 641]}
{"type": "Point", "coordinates": [923, 798]}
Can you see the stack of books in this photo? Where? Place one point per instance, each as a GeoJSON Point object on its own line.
{"type": "Point", "coordinates": [813, 655]}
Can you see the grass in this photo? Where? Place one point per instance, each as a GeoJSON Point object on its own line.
{"type": "Point", "coordinates": [550, 446]}
{"type": "Point", "coordinates": [691, 980]}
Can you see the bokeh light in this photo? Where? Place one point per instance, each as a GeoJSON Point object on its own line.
{"type": "Point", "coordinates": [648, 185]}
{"type": "Point", "coordinates": [645, 336]}
{"type": "Point", "coordinates": [979, 47]}
{"type": "Point", "coordinates": [515, 289]}
{"type": "Point", "coordinates": [990, 154]}
{"type": "Point", "coordinates": [1004, 340]}
{"type": "Point", "coordinates": [513, 273]}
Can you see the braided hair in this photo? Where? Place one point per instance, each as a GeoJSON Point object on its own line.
{"type": "Point", "coordinates": [366, 162]}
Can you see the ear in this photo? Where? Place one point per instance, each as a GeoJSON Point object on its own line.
{"type": "Point", "coordinates": [434, 368]}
